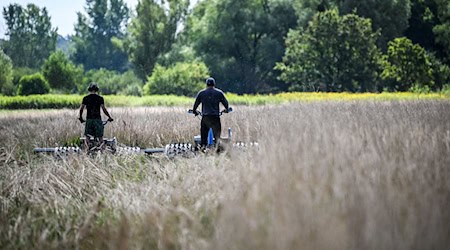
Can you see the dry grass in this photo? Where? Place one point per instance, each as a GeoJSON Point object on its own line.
{"type": "Point", "coordinates": [328, 175]}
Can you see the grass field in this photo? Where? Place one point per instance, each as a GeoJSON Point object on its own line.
{"type": "Point", "coordinates": [73, 101]}
{"type": "Point", "coordinates": [327, 175]}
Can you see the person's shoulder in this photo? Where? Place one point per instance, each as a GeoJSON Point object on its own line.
{"type": "Point", "coordinates": [218, 90]}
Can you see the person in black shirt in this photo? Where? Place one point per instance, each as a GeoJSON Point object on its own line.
{"type": "Point", "coordinates": [210, 98]}
{"type": "Point", "coordinates": [93, 102]}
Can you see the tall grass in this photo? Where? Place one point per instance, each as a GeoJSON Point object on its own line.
{"type": "Point", "coordinates": [327, 175]}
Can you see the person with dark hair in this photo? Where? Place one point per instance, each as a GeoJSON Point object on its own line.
{"type": "Point", "coordinates": [210, 98]}
{"type": "Point", "coordinates": [93, 103]}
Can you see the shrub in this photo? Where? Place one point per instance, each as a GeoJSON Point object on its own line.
{"type": "Point", "coordinates": [180, 79]}
{"type": "Point", "coordinates": [33, 84]}
{"type": "Point", "coordinates": [61, 73]}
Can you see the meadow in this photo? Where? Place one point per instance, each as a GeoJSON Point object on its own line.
{"type": "Point", "coordinates": [352, 174]}
{"type": "Point", "coordinates": [54, 101]}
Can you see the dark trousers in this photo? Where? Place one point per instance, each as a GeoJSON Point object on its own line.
{"type": "Point", "coordinates": [207, 123]}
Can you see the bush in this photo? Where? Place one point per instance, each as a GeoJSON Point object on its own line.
{"type": "Point", "coordinates": [406, 66]}
{"type": "Point", "coordinates": [181, 79]}
{"type": "Point", "coordinates": [33, 84]}
{"type": "Point", "coordinates": [5, 73]}
{"type": "Point", "coordinates": [61, 73]}
{"type": "Point", "coordinates": [112, 83]}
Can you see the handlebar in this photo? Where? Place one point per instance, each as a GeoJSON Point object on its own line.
{"type": "Point", "coordinates": [230, 109]}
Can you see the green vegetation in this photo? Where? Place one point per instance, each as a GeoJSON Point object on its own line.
{"type": "Point", "coordinates": [5, 73]}
{"type": "Point", "coordinates": [96, 32]}
{"type": "Point", "coordinates": [74, 101]}
{"type": "Point", "coordinates": [334, 54]}
{"type": "Point", "coordinates": [33, 84]}
{"type": "Point", "coordinates": [31, 35]}
{"type": "Point", "coordinates": [249, 46]}
{"type": "Point", "coordinates": [61, 73]}
{"type": "Point", "coordinates": [182, 79]}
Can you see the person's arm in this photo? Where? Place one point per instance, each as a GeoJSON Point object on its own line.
{"type": "Point", "coordinates": [106, 112]}
{"type": "Point", "coordinates": [224, 101]}
{"type": "Point", "coordinates": [81, 112]}
{"type": "Point", "coordinates": [196, 103]}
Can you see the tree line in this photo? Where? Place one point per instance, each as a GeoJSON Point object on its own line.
{"type": "Point", "coordinates": [250, 46]}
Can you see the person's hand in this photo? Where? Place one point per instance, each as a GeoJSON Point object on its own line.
{"type": "Point", "coordinates": [225, 111]}
{"type": "Point", "coordinates": [110, 119]}
{"type": "Point", "coordinates": [81, 119]}
{"type": "Point", "coordinates": [196, 113]}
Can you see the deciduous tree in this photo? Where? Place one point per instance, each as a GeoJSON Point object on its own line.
{"type": "Point", "coordinates": [334, 53]}
{"type": "Point", "coordinates": [30, 36]}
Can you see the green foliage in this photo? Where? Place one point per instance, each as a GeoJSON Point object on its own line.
{"type": "Point", "coordinates": [61, 73]}
{"type": "Point", "coordinates": [181, 79]}
{"type": "Point", "coordinates": [96, 35]}
{"type": "Point", "coordinates": [5, 73]}
{"type": "Point", "coordinates": [241, 41]}
{"type": "Point", "coordinates": [152, 32]}
{"type": "Point", "coordinates": [441, 72]}
{"type": "Point", "coordinates": [31, 36]}
{"type": "Point", "coordinates": [111, 82]}
{"type": "Point", "coordinates": [18, 72]}
{"type": "Point", "coordinates": [334, 53]}
{"type": "Point", "coordinates": [406, 65]}
{"type": "Point", "coordinates": [52, 101]}
{"type": "Point", "coordinates": [389, 16]}
{"type": "Point", "coordinates": [442, 29]}
{"type": "Point", "coordinates": [33, 84]}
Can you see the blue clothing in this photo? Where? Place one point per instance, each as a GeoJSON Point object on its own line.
{"type": "Point", "coordinates": [210, 98]}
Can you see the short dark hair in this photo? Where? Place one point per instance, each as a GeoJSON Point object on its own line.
{"type": "Point", "coordinates": [93, 87]}
{"type": "Point", "coordinates": [210, 81]}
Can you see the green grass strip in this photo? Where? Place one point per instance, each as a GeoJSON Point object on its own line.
{"type": "Point", "coordinates": [73, 101]}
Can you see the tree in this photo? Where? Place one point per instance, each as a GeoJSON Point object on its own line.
{"type": "Point", "coordinates": [180, 79]}
{"type": "Point", "coordinates": [30, 33]}
{"type": "Point", "coordinates": [406, 65]}
{"type": "Point", "coordinates": [153, 32]}
{"type": "Point", "coordinates": [97, 35]}
{"type": "Point", "coordinates": [334, 53]}
{"type": "Point", "coordinates": [33, 84]}
{"type": "Point", "coordinates": [61, 73]}
{"type": "Point", "coordinates": [390, 16]}
{"type": "Point", "coordinates": [306, 9]}
{"type": "Point", "coordinates": [241, 41]}
{"type": "Point", "coordinates": [442, 30]}
{"type": "Point", "coordinates": [5, 73]}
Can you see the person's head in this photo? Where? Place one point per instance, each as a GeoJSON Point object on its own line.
{"type": "Point", "coordinates": [93, 87]}
{"type": "Point", "coordinates": [210, 82]}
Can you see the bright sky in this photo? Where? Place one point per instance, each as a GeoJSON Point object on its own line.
{"type": "Point", "coordinates": [62, 12]}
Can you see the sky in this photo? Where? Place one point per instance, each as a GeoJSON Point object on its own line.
{"type": "Point", "coordinates": [62, 12]}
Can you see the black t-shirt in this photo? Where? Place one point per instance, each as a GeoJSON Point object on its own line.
{"type": "Point", "coordinates": [93, 103]}
{"type": "Point", "coordinates": [210, 99]}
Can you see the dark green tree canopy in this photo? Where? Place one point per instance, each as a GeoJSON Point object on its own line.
{"type": "Point", "coordinates": [389, 16]}
{"type": "Point", "coordinates": [334, 53]}
{"type": "Point", "coordinates": [31, 37]}
{"type": "Point", "coordinates": [95, 34]}
{"type": "Point", "coordinates": [240, 41]}
{"type": "Point", "coordinates": [153, 32]}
